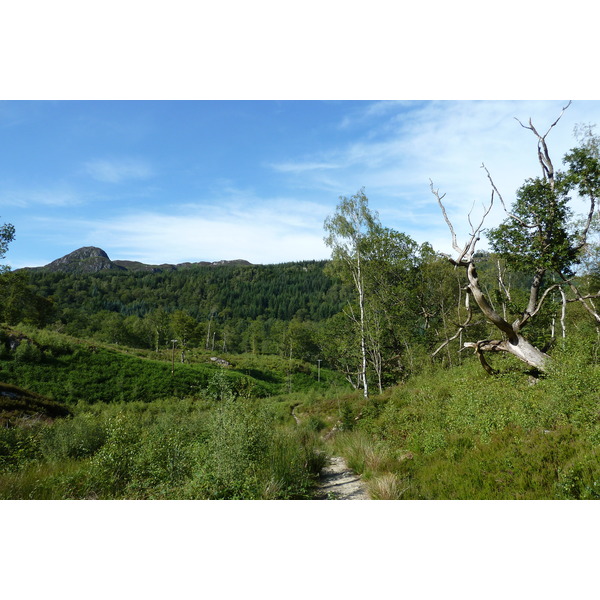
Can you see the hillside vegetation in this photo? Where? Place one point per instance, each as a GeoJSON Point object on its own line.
{"type": "Point", "coordinates": [446, 433]}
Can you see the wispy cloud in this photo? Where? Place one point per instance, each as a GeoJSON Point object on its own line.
{"type": "Point", "coordinates": [51, 197]}
{"type": "Point", "coordinates": [303, 167]}
{"type": "Point", "coordinates": [445, 142]}
{"type": "Point", "coordinates": [118, 170]}
{"type": "Point", "coordinates": [373, 110]}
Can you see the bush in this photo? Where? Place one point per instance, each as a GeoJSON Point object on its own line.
{"type": "Point", "coordinates": [245, 457]}
{"type": "Point", "coordinates": [239, 436]}
{"type": "Point", "coordinates": [28, 353]}
{"type": "Point", "coordinates": [166, 458]}
{"type": "Point", "coordinates": [18, 447]}
{"type": "Point", "coordinates": [113, 465]}
{"type": "Point", "coordinates": [79, 437]}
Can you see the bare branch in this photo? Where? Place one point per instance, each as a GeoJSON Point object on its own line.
{"type": "Point", "coordinates": [469, 217]}
{"type": "Point", "coordinates": [559, 117]}
{"type": "Point", "coordinates": [436, 193]}
{"type": "Point", "coordinates": [543, 154]}
{"type": "Point", "coordinates": [484, 363]}
{"type": "Point", "coordinates": [520, 221]}
{"type": "Point", "coordinates": [590, 308]}
{"type": "Point", "coordinates": [501, 283]}
{"type": "Point", "coordinates": [539, 305]}
{"type": "Point", "coordinates": [486, 346]}
{"type": "Point", "coordinates": [486, 212]}
{"type": "Point", "coordinates": [484, 304]}
{"type": "Point", "coordinates": [461, 327]}
{"type": "Point", "coordinates": [588, 223]}
{"type": "Point", "coordinates": [587, 297]}
{"type": "Point", "coordinates": [469, 248]}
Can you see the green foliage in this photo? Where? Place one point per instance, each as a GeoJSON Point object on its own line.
{"type": "Point", "coordinates": [219, 387]}
{"type": "Point", "coordinates": [537, 235]}
{"type": "Point", "coordinates": [148, 309]}
{"type": "Point", "coordinates": [246, 458]}
{"type": "Point", "coordinates": [583, 163]}
{"type": "Point", "coordinates": [71, 372]}
{"type": "Point", "coordinates": [114, 465]}
{"type": "Point", "coordinates": [28, 353]}
{"type": "Point", "coordinates": [142, 461]}
{"type": "Point", "coordinates": [7, 235]}
{"type": "Point", "coordinates": [384, 268]}
{"type": "Point", "coordinates": [20, 303]}
{"type": "Point", "coordinates": [239, 436]}
{"type": "Point", "coordinates": [18, 447]}
{"type": "Point", "coordinates": [78, 437]}
{"type": "Point", "coordinates": [315, 424]}
{"type": "Point", "coordinates": [164, 449]}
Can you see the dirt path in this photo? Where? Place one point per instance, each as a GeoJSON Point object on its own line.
{"type": "Point", "coordinates": [338, 482]}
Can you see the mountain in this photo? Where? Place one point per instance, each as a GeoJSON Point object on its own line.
{"type": "Point", "coordinates": [92, 260]}
{"type": "Point", "coordinates": [85, 260]}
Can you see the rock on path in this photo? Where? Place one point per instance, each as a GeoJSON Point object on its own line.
{"type": "Point", "coordinates": [338, 482]}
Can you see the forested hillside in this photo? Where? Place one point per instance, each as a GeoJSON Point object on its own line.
{"type": "Point", "coordinates": [240, 292]}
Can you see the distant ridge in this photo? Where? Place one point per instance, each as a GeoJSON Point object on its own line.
{"type": "Point", "coordinates": [91, 259]}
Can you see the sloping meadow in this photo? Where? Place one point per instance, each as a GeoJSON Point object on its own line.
{"type": "Point", "coordinates": [461, 434]}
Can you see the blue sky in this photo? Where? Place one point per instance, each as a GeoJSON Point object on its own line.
{"type": "Point", "coordinates": [175, 181]}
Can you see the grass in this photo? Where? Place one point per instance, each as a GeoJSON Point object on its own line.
{"type": "Point", "coordinates": [461, 434]}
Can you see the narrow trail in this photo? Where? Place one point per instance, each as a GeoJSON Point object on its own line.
{"type": "Point", "coordinates": [338, 482]}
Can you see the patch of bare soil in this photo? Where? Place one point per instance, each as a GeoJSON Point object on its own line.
{"type": "Point", "coordinates": [338, 482]}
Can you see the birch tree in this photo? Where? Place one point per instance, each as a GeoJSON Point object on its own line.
{"type": "Point", "coordinates": [347, 231]}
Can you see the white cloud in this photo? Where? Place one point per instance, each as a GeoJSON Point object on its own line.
{"type": "Point", "coordinates": [370, 111]}
{"type": "Point", "coordinates": [272, 232]}
{"type": "Point", "coordinates": [117, 171]}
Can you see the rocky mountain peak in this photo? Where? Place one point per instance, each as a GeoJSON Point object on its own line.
{"type": "Point", "coordinates": [88, 259]}
{"type": "Point", "coordinates": [91, 259]}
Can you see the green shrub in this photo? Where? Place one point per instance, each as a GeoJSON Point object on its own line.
{"type": "Point", "coordinates": [239, 436]}
{"type": "Point", "coordinates": [245, 457]}
{"type": "Point", "coordinates": [18, 447]}
{"type": "Point", "coordinates": [220, 387]}
{"type": "Point", "coordinates": [166, 458]}
{"type": "Point", "coordinates": [315, 424]}
{"type": "Point", "coordinates": [113, 465]}
{"type": "Point", "coordinates": [28, 353]}
{"type": "Point", "coordinates": [580, 479]}
{"type": "Point", "coordinates": [79, 437]}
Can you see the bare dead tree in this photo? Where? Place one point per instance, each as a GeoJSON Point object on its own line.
{"type": "Point", "coordinates": [512, 341]}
